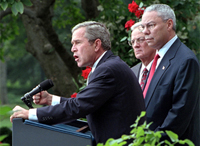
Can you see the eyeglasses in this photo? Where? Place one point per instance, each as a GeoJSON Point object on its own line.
{"type": "Point", "coordinates": [138, 41]}
{"type": "Point", "coordinates": [150, 26]}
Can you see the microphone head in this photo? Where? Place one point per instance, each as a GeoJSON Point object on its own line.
{"type": "Point", "coordinates": [45, 85]}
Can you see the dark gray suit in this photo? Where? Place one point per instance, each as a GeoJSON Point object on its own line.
{"type": "Point", "coordinates": [172, 100]}
{"type": "Point", "coordinates": [136, 69]}
{"type": "Point", "coordinates": [111, 102]}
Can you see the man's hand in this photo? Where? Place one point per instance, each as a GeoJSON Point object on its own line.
{"type": "Point", "coordinates": [42, 98]}
{"type": "Point", "coordinates": [19, 112]}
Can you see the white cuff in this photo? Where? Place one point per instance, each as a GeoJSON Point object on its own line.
{"type": "Point", "coordinates": [55, 100]}
{"type": "Point", "coordinates": [33, 114]}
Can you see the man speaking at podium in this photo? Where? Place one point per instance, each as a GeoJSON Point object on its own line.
{"type": "Point", "coordinates": [113, 98]}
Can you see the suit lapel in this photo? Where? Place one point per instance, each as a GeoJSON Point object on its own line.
{"type": "Point", "coordinates": [163, 66]}
{"type": "Point", "coordinates": [137, 69]}
{"type": "Point", "coordinates": [104, 58]}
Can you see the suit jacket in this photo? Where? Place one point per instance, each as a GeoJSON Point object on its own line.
{"type": "Point", "coordinates": [111, 102]}
{"type": "Point", "coordinates": [172, 100]}
{"type": "Point", "coordinates": [136, 69]}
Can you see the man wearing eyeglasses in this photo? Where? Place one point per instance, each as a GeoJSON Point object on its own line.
{"type": "Point", "coordinates": [172, 96]}
{"type": "Point", "coordinates": [143, 52]}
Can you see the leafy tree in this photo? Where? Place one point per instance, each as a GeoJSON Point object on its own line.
{"type": "Point", "coordinates": [43, 43]}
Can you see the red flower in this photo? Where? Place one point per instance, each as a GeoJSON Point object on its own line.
{"type": "Point", "coordinates": [129, 24]}
{"type": "Point", "coordinates": [132, 7]}
{"type": "Point", "coordinates": [86, 72]}
{"type": "Point", "coordinates": [139, 13]}
{"type": "Point", "coordinates": [74, 95]}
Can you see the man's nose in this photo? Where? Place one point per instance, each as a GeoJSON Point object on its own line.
{"type": "Point", "coordinates": [135, 44]}
{"type": "Point", "coordinates": [73, 49]}
{"type": "Point", "coordinates": [145, 30]}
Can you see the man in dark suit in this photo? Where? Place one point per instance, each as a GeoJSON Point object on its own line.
{"type": "Point", "coordinates": [172, 99]}
{"type": "Point", "coordinates": [111, 101]}
{"type": "Point", "coordinates": [143, 52]}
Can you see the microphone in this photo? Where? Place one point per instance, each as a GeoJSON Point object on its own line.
{"type": "Point", "coordinates": [45, 85]}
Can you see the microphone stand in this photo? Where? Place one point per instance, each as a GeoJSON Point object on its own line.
{"type": "Point", "coordinates": [27, 99]}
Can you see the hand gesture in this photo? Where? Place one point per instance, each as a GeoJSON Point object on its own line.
{"type": "Point", "coordinates": [42, 98]}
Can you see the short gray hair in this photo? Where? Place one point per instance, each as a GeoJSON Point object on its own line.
{"type": "Point", "coordinates": [95, 30]}
{"type": "Point", "coordinates": [135, 25]}
{"type": "Point", "coordinates": [164, 11]}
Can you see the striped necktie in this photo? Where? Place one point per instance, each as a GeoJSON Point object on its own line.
{"type": "Point", "coordinates": [144, 76]}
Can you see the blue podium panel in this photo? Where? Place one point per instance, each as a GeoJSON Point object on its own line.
{"type": "Point", "coordinates": [29, 133]}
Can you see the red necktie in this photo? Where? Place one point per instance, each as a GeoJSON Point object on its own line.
{"type": "Point", "coordinates": [153, 67]}
{"type": "Point", "coordinates": [144, 76]}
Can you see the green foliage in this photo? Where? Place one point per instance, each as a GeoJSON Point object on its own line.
{"type": "Point", "coordinates": [23, 70]}
{"type": "Point", "coordinates": [81, 81]}
{"type": "Point", "coordinates": [4, 112]}
{"type": "Point", "coordinates": [114, 15]}
{"type": "Point", "coordinates": [67, 13]}
{"type": "Point", "coordinates": [2, 137]}
{"type": "Point", "coordinates": [13, 42]}
{"type": "Point", "coordinates": [5, 136]}
{"type": "Point", "coordinates": [141, 135]}
{"type": "Point", "coordinates": [5, 133]}
{"type": "Point", "coordinates": [9, 30]}
{"type": "Point", "coordinates": [4, 5]}
{"type": "Point", "coordinates": [16, 5]}
{"type": "Point", "coordinates": [1, 54]}
{"type": "Point", "coordinates": [27, 2]}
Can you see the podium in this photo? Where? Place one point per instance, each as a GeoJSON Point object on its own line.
{"type": "Point", "coordinates": [30, 133]}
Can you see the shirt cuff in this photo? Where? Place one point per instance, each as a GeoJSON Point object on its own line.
{"type": "Point", "coordinates": [33, 112]}
{"type": "Point", "coordinates": [33, 115]}
{"type": "Point", "coordinates": [55, 100]}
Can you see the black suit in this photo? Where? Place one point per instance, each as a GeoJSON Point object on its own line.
{"type": "Point", "coordinates": [172, 100]}
{"type": "Point", "coordinates": [111, 101]}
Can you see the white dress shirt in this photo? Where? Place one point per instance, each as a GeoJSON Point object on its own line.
{"type": "Point", "coordinates": [164, 49]}
{"type": "Point", "coordinates": [142, 69]}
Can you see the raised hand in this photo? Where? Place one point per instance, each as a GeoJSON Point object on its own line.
{"type": "Point", "coordinates": [42, 98]}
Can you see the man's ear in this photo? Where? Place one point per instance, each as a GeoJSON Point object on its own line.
{"type": "Point", "coordinates": [170, 24]}
{"type": "Point", "coordinates": [97, 45]}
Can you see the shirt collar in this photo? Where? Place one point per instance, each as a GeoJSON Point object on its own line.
{"type": "Point", "coordinates": [97, 61]}
{"type": "Point", "coordinates": [147, 67]}
{"type": "Point", "coordinates": [166, 47]}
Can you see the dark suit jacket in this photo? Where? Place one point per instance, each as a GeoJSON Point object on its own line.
{"type": "Point", "coordinates": [172, 100]}
{"type": "Point", "coordinates": [136, 69]}
{"type": "Point", "coordinates": [111, 101]}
